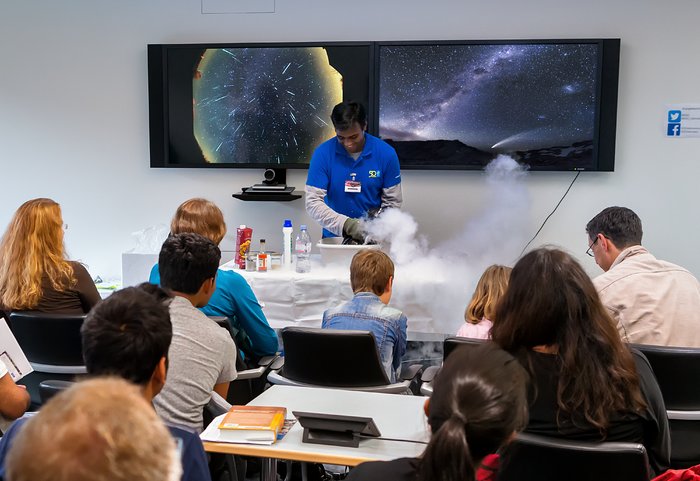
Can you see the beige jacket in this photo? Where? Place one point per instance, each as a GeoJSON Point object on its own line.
{"type": "Point", "coordinates": [653, 301]}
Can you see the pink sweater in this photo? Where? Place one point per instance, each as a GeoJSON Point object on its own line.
{"type": "Point", "coordinates": [476, 331]}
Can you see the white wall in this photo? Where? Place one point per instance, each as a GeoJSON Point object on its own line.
{"type": "Point", "coordinates": [74, 115]}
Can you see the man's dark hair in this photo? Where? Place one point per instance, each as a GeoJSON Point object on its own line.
{"type": "Point", "coordinates": [347, 113]}
{"type": "Point", "coordinates": [128, 333]}
{"type": "Point", "coordinates": [186, 260]}
{"type": "Point", "coordinates": [619, 224]}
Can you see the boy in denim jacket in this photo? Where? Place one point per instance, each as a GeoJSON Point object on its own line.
{"type": "Point", "coordinates": [371, 279]}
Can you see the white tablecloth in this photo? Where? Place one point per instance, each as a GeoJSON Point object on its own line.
{"type": "Point", "coordinates": [292, 299]}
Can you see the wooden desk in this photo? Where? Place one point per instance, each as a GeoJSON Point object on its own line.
{"type": "Point", "coordinates": [396, 416]}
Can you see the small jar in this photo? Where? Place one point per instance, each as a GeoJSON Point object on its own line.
{"type": "Point", "coordinates": [251, 261]}
{"type": "Point", "coordinates": [275, 260]}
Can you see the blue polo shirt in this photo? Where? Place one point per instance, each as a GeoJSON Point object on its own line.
{"type": "Point", "coordinates": [376, 168]}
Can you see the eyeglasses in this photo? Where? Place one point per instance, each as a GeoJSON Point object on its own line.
{"type": "Point", "coordinates": [589, 251]}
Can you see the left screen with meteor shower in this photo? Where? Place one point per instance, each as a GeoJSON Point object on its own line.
{"type": "Point", "coordinates": [260, 105]}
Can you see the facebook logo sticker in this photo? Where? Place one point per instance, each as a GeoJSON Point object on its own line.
{"type": "Point", "coordinates": [674, 130]}
{"type": "Point", "coordinates": [674, 116]}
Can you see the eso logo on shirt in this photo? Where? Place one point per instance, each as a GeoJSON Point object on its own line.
{"type": "Point", "coordinates": [374, 174]}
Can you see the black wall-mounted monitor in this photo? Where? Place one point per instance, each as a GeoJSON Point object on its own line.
{"type": "Point", "coordinates": [250, 105]}
{"type": "Point", "coordinates": [551, 104]}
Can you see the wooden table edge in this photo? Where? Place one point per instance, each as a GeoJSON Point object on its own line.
{"type": "Point", "coordinates": [263, 451]}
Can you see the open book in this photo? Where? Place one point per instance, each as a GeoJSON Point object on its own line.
{"type": "Point", "coordinates": [11, 354]}
{"type": "Point", "coordinates": [247, 424]}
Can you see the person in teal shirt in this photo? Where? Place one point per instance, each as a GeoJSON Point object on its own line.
{"type": "Point", "coordinates": [233, 297]}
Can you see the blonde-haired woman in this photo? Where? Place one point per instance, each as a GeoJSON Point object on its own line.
{"type": "Point", "coordinates": [479, 314]}
{"type": "Point", "coordinates": [233, 296]}
{"type": "Point", "coordinates": [34, 272]}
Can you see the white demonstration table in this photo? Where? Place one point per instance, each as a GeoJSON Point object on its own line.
{"type": "Point", "coordinates": [396, 416]}
{"type": "Point", "coordinates": [292, 299]}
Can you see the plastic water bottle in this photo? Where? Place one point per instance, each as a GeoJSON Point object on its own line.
{"type": "Point", "coordinates": [287, 243]}
{"type": "Point", "coordinates": [302, 247]}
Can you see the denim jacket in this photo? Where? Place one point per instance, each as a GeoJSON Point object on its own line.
{"type": "Point", "coordinates": [365, 311]}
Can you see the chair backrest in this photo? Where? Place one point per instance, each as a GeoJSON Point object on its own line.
{"type": "Point", "coordinates": [676, 370]}
{"type": "Point", "coordinates": [48, 339]}
{"type": "Point", "coordinates": [332, 357]}
{"type": "Point", "coordinates": [531, 457]}
{"type": "Point", "coordinates": [452, 343]}
{"type": "Point", "coordinates": [51, 387]}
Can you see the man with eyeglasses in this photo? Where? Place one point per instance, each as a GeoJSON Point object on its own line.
{"type": "Point", "coordinates": [653, 301]}
{"type": "Point", "coordinates": [350, 175]}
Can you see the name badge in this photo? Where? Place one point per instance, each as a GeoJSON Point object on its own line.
{"type": "Point", "coordinates": [353, 186]}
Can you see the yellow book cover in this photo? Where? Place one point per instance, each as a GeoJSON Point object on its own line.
{"type": "Point", "coordinates": [257, 424]}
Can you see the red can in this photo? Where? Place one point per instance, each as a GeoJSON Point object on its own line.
{"type": "Point", "coordinates": [243, 236]}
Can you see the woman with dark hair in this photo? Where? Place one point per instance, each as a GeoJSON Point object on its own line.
{"type": "Point", "coordinates": [479, 402]}
{"type": "Point", "coordinates": [586, 384]}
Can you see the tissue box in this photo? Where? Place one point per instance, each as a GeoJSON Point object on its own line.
{"type": "Point", "coordinates": [136, 268]}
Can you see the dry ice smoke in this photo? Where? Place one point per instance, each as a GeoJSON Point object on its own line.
{"type": "Point", "coordinates": [441, 280]}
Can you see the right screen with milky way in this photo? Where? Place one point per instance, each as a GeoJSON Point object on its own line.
{"type": "Point", "coordinates": [460, 105]}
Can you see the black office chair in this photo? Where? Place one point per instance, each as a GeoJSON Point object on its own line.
{"type": "Point", "coordinates": [538, 458]}
{"type": "Point", "coordinates": [336, 359]}
{"type": "Point", "coordinates": [452, 343]}
{"type": "Point", "coordinates": [51, 387]}
{"type": "Point", "coordinates": [677, 370]}
{"type": "Point", "coordinates": [52, 344]}
{"type": "Point", "coordinates": [448, 346]}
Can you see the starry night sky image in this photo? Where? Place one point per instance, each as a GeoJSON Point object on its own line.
{"type": "Point", "coordinates": [263, 105]}
{"type": "Point", "coordinates": [493, 98]}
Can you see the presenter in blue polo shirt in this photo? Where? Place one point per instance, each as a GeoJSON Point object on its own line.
{"type": "Point", "coordinates": [350, 175]}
